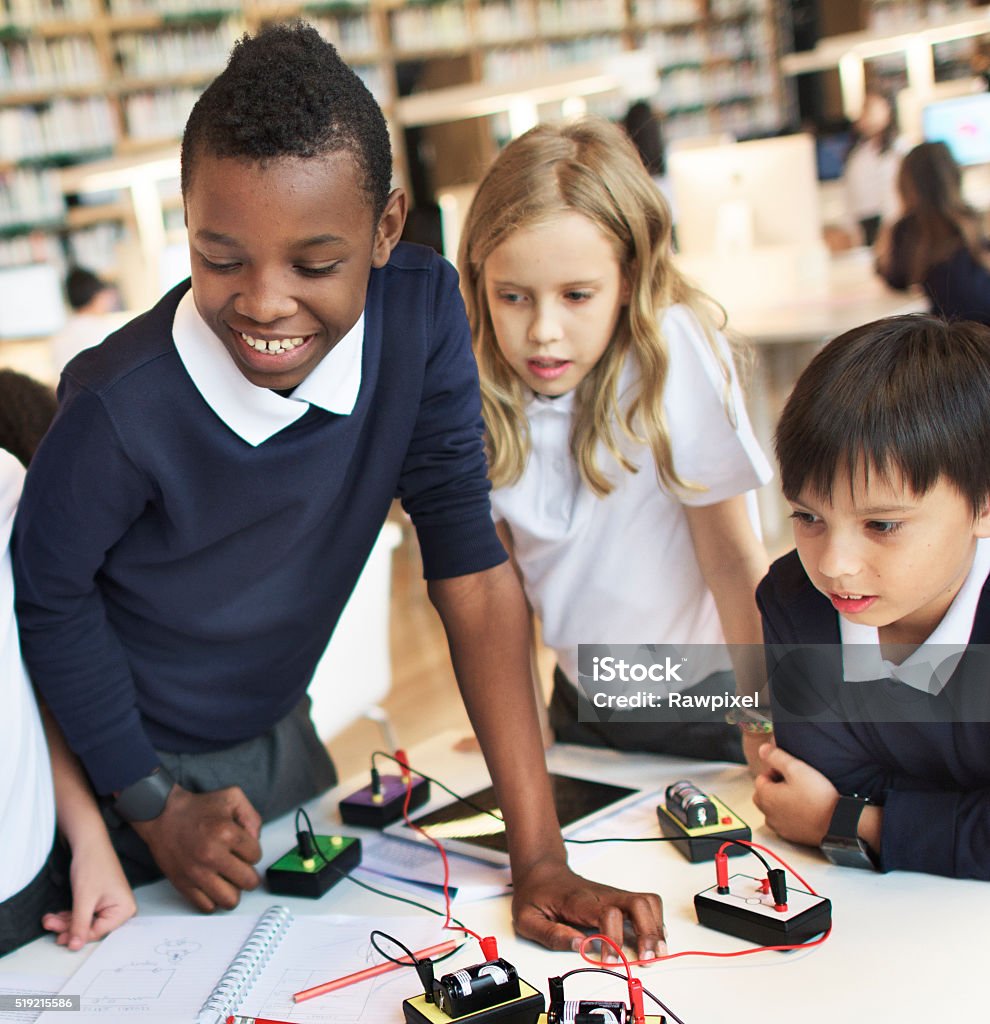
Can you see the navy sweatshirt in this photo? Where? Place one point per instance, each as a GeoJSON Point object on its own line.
{"type": "Point", "coordinates": [177, 586]}
{"type": "Point", "coordinates": [933, 778]}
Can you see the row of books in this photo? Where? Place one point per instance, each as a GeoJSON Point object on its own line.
{"type": "Point", "coordinates": [29, 196]}
{"type": "Point", "coordinates": [32, 63]}
{"type": "Point", "coordinates": [146, 54]}
{"type": "Point", "coordinates": [64, 126]}
{"type": "Point", "coordinates": [24, 13]}
{"type": "Point", "coordinates": [519, 62]}
{"type": "Point", "coordinates": [687, 87]}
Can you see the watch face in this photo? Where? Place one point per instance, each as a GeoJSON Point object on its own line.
{"type": "Point", "coordinates": [847, 853]}
{"type": "Point", "coordinates": [146, 798]}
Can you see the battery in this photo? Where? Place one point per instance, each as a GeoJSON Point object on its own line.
{"type": "Point", "coordinates": [686, 802]}
{"type": "Point", "coordinates": [475, 988]}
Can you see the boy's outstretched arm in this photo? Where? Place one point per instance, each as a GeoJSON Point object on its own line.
{"type": "Point", "coordinates": [101, 898]}
{"type": "Point", "coordinates": [485, 618]}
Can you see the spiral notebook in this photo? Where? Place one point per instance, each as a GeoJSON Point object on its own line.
{"type": "Point", "coordinates": [197, 970]}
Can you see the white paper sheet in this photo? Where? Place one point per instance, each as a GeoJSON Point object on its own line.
{"type": "Point", "coordinates": [27, 985]}
{"type": "Point", "coordinates": [161, 970]}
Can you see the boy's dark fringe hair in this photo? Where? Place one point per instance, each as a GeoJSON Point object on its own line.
{"type": "Point", "coordinates": [27, 408]}
{"type": "Point", "coordinates": [286, 93]}
{"type": "Point", "coordinates": [907, 397]}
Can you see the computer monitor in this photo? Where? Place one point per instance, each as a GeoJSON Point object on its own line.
{"type": "Point", "coordinates": [747, 194]}
{"type": "Point", "coordinates": [963, 124]}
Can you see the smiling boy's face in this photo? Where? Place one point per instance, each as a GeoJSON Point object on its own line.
{"type": "Point", "coordinates": [888, 557]}
{"type": "Point", "coordinates": [281, 254]}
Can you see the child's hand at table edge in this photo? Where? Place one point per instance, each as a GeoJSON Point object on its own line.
{"type": "Point", "coordinates": [550, 900]}
{"type": "Point", "coordinates": [102, 900]}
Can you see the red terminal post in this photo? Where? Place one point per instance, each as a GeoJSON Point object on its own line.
{"type": "Point", "coordinates": [489, 947]}
{"type": "Point", "coordinates": [722, 872]}
{"type": "Point", "coordinates": [765, 886]}
{"type": "Point", "coordinates": [778, 887]}
{"type": "Point", "coordinates": [403, 758]}
{"type": "Point", "coordinates": [636, 1001]}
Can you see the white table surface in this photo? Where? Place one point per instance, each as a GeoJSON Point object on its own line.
{"type": "Point", "coordinates": [904, 947]}
{"type": "Point", "coordinates": [853, 294]}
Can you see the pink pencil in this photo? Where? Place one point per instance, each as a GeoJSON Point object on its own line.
{"type": "Point", "coordinates": [370, 972]}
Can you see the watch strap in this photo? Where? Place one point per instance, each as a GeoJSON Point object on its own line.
{"type": "Point", "coordinates": [146, 798]}
{"type": "Point", "coordinates": [842, 844]}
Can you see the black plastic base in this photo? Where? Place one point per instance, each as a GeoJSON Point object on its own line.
{"type": "Point", "coordinates": [289, 876]}
{"type": "Point", "coordinates": [701, 844]}
{"type": "Point", "coordinates": [748, 914]}
{"type": "Point", "coordinates": [362, 808]}
{"type": "Point", "coordinates": [527, 1009]}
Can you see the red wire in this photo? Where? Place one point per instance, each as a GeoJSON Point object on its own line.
{"type": "Point", "coordinates": [738, 952]}
{"type": "Point", "coordinates": [443, 856]}
{"type": "Point", "coordinates": [618, 952]}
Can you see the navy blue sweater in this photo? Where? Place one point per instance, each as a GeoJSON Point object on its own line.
{"type": "Point", "coordinates": [175, 585]}
{"type": "Point", "coordinates": [933, 778]}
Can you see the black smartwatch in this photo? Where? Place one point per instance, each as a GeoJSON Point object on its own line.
{"type": "Point", "coordinates": [842, 844]}
{"type": "Point", "coordinates": [146, 798]}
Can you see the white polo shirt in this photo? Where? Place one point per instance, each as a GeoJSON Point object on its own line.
{"type": "Point", "coordinates": [27, 799]}
{"type": "Point", "coordinates": [622, 569]}
{"type": "Point", "coordinates": [930, 666]}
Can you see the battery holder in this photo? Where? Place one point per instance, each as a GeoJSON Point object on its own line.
{"type": "Point", "coordinates": [650, 1018]}
{"type": "Point", "coordinates": [527, 1008]}
{"type": "Point", "coordinates": [748, 912]}
{"type": "Point", "coordinates": [372, 810]}
{"type": "Point", "coordinates": [296, 875]}
{"type": "Point", "coordinates": [698, 844]}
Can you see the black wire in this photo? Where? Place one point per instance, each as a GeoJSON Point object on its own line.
{"type": "Point", "coordinates": [615, 974]}
{"type": "Point", "coordinates": [670, 839]}
{"type": "Point", "coordinates": [754, 852]}
{"type": "Point", "coordinates": [577, 842]}
{"type": "Point", "coordinates": [379, 892]}
{"type": "Point", "coordinates": [436, 782]}
{"type": "Point", "coordinates": [391, 938]}
{"type": "Point", "coordinates": [629, 839]}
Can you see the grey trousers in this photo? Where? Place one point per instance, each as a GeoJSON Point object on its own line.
{"type": "Point", "coordinates": [713, 741]}
{"type": "Point", "coordinates": [278, 771]}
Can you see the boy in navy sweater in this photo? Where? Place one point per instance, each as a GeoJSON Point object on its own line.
{"type": "Point", "coordinates": [883, 450]}
{"type": "Point", "coordinates": [219, 470]}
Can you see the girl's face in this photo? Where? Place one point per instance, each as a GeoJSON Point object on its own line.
{"type": "Point", "coordinates": [555, 292]}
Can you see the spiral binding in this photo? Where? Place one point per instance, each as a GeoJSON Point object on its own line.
{"type": "Point", "coordinates": [244, 969]}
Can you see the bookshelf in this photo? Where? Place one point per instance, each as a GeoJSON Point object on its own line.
{"type": "Point", "coordinates": [85, 81]}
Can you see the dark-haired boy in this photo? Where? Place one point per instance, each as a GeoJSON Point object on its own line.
{"type": "Point", "coordinates": [220, 469]}
{"type": "Point", "coordinates": [883, 455]}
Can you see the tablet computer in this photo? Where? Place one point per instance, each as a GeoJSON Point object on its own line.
{"type": "Point", "coordinates": [464, 829]}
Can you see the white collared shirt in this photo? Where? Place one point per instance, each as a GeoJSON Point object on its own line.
{"type": "Point", "coordinates": [253, 413]}
{"type": "Point", "coordinates": [930, 666]}
{"type": "Point", "coordinates": [622, 569]}
{"type": "Point", "coordinates": [27, 800]}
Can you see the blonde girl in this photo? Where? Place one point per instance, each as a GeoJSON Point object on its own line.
{"type": "Point", "coordinates": [619, 447]}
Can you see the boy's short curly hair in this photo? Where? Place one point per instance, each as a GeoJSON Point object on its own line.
{"type": "Point", "coordinates": [27, 408]}
{"type": "Point", "coordinates": [906, 396]}
{"type": "Point", "coordinates": [286, 93]}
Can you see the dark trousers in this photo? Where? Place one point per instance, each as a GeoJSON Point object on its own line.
{"type": "Point", "coordinates": [278, 771]}
{"type": "Point", "coordinates": [46, 893]}
{"type": "Point", "coordinates": [573, 719]}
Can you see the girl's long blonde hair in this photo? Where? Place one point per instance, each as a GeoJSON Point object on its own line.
{"type": "Point", "coordinates": [588, 167]}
